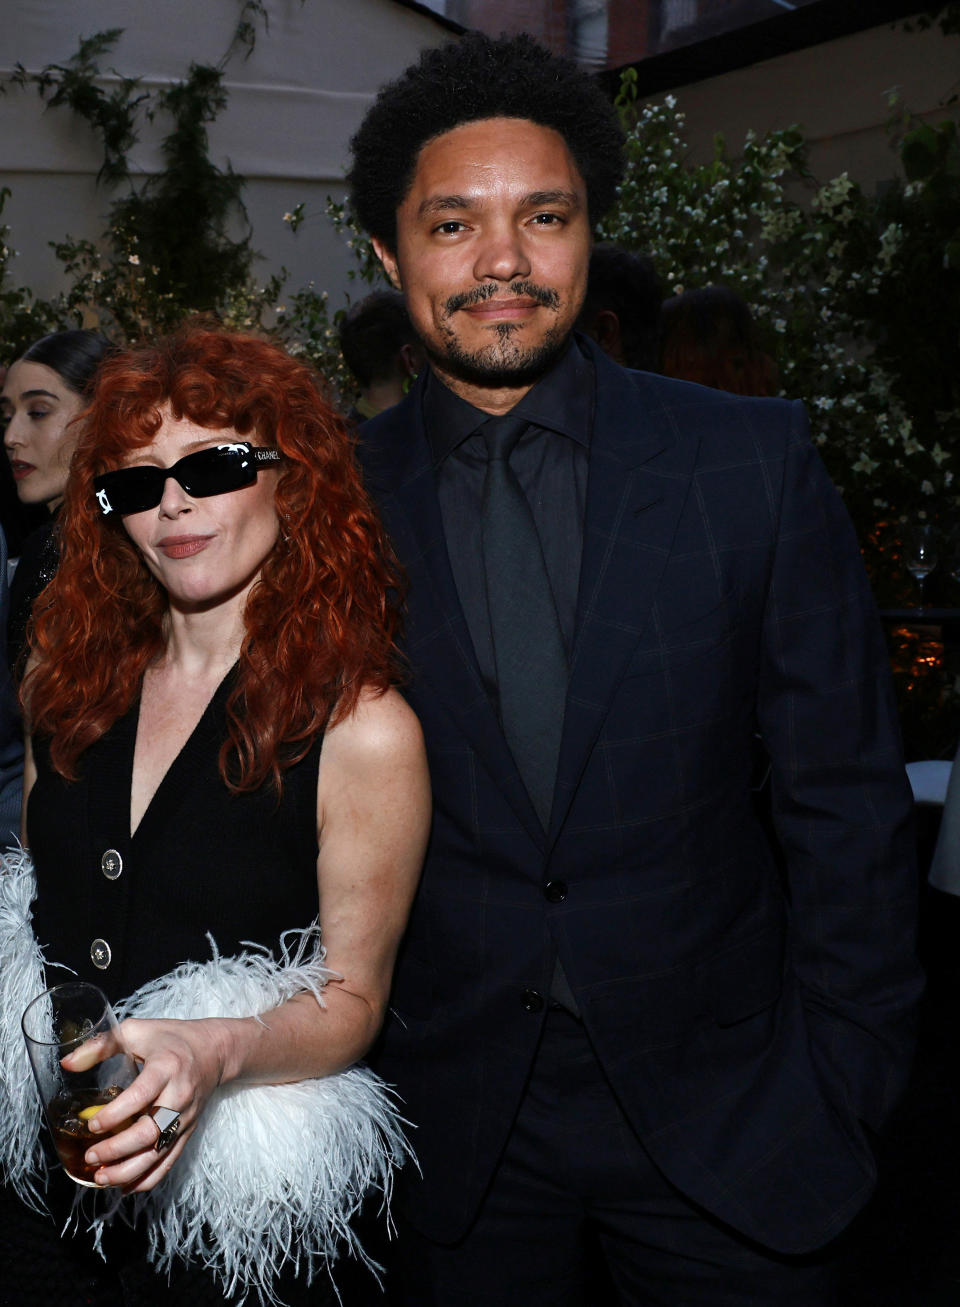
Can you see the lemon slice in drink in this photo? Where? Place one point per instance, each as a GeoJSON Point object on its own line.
{"type": "Point", "coordinates": [88, 1113]}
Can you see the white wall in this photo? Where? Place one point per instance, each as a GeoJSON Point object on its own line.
{"type": "Point", "coordinates": [836, 91]}
{"type": "Point", "coordinates": [293, 106]}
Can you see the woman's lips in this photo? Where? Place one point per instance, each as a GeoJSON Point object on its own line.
{"type": "Point", "coordinates": [183, 546]}
{"type": "Point", "coordinates": [21, 470]}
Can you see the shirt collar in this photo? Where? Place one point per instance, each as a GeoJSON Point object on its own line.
{"type": "Point", "coordinates": [562, 401]}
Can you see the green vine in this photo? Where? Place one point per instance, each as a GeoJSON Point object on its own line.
{"type": "Point", "coordinates": [167, 250]}
{"type": "Point", "coordinates": [245, 32]}
{"type": "Point", "coordinates": [73, 85]}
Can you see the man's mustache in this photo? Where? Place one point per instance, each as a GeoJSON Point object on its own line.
{"type": "Point", "coordinates": [542, 295]}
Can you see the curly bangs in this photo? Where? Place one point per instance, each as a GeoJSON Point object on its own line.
{"type": "Point", "coordinates": [214, 378]}
{"type": "Point", "coordinates": [469, 80]}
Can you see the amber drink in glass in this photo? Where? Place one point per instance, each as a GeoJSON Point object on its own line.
{"type": "Point", "coordinates": [57, 1023]}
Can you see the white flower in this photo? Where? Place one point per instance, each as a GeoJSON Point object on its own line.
{"type": "Point", "coordinates": [926, 487]}
{"type": "Point", "coordinates": [134, 259]}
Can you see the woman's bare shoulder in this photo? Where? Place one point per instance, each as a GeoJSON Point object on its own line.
{"type": "Point", "coordinates": [382, 730]}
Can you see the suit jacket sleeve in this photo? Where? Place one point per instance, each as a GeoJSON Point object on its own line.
{"type": "Point", "coordinates": [842, 805]}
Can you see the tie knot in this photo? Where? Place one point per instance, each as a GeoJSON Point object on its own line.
{"type": "Point", "coordinates": [501, 434]}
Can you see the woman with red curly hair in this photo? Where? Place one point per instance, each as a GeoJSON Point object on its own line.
{"type": "Point", "coordinates": [217, 749]}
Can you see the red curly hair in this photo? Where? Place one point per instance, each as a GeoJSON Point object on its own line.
{"type": "Point", "coordinates": [322, 619]}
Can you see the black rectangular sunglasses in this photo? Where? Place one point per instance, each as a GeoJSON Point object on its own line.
{"type": "Point", "coordinates": [213, 471]}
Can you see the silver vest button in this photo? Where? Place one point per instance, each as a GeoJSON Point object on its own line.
{"type": "Point", "coordinates": [111, 864]}
{"type": "Point", "coordinates": [100, 954]}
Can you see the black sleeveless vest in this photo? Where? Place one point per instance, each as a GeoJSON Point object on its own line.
{"type": "Point", "coordinates": [121, 910]}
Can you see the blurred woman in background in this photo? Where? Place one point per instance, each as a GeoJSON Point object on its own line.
{"type": "Point", "coordinates": [42, 396]}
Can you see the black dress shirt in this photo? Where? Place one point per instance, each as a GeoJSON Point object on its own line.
{"type": "Point", "coordinates": [551, 462]}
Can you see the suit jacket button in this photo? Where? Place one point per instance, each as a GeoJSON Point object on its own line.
{"type": "Point", "coordinates": [531, 1000]}
{"type": "Point", "coordinates": [555, 891]}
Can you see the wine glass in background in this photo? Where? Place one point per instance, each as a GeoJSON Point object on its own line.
{"type": "Point", "coordinates": [920, 555]}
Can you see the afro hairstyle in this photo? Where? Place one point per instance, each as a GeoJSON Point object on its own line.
{"type": "Point", "coordinates": [466, 81]}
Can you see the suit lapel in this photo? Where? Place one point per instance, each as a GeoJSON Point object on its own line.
{"type": "Point", "coordinates": [639, 479]}
{"type": "Point", "coordinates": [399, 471]}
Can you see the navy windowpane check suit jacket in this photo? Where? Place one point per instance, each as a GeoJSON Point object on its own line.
{"type": "Point", "coordinates": [755, 1028]}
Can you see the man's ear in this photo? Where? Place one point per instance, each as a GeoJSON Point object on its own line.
{"type": "Point", "coordinates": [606, 332]}
{"type": "Point", "coordinates": [411, 359]}
{"type": "Point", "coordinates": [389, 261]}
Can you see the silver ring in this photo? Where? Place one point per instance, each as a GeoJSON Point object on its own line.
{"type": "Point", "coordinates": [167, 1122]}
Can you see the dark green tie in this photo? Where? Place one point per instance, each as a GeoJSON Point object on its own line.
{"type": "Point", "coordinates": [531, 661]}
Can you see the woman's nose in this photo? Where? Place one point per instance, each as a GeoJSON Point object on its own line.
{"type": "Point", "coordinates": [13, 434]}
{"type": "Point", "coordinates": [174, 499]}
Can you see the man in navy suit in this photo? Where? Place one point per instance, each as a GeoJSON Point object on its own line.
{"type": "Point", "coordinates": [615, 1019]}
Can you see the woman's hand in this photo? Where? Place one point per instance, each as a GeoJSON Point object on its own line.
{"type": "Point", "coordinates": [182, 1065]}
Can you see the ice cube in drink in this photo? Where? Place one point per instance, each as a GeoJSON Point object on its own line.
{"type": "Point", "coordinates": [69, 1115]}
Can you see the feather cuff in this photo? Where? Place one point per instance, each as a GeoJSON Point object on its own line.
{"type": "Point", "coordinates": [273, 1174]}
{"type": "Point", "coordinates": [22, 1163]}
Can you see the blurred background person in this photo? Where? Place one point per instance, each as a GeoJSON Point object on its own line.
{"type": "Point", "coordinates": [622, 309]}
{"type": "Point", "coordinates": [43, 393]}
{"type": "Point", "coordinates": [11, 738]}
{"type": "Point", "coordinates": [381, 349]}
{"type": "Point", "coordinates": [709, 336]}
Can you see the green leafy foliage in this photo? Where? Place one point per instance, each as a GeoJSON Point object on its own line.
{"type": "Point", "coordinates": [73, 84]}
{"type": "Point", "coordinates": [855, 295]}
{"type": "Point", "coordinates": [306, 322]}
{"type": "Point", "coordinates": [168, 249]}
{"type": "Point", "coordinates": [21, 321]}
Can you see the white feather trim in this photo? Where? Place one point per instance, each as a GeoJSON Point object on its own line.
{"type": "Point", "coordinates": [273, 1174]}
{"type": "Point", "coordinates": [22, 1162]}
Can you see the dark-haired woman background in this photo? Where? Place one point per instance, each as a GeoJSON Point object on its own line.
{"type": "Point", "coordinates": [43, 394]}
